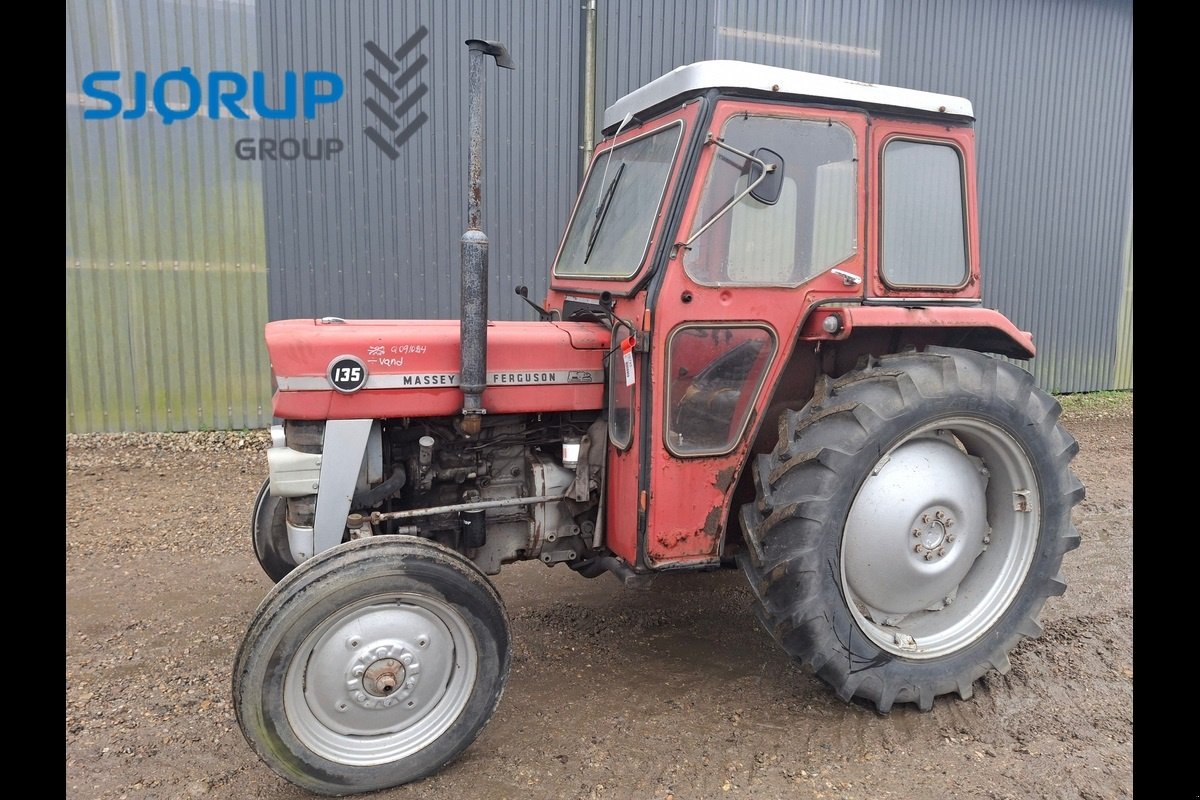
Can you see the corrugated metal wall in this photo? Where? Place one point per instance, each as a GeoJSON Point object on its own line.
{"type": "Point", "coordinates": [363, 235]}
{"type": "Point", "coordinates": [1052, 87]}
{"type": "Point", "coordinates": [166, 245]}
{"type": "Point", "coordinates": [165, 248]}
{"type": "Point", "coordinates": [1052, 84]}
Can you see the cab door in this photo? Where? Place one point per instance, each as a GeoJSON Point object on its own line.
{"type": "Point", "coordinates": [618, 231]}
{"type": "Point", "coordinates": [746, 270]}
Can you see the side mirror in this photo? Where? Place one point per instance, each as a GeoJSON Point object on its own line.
{"type": "Point", "coordinates": [768, 191]}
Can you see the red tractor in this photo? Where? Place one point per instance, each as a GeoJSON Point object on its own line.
{"type": "Point", "coordinates": [763, 346]}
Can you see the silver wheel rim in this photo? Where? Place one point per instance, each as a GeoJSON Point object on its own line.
{"type": "Point", "coordinates": [940, 537]}
{"type": "Point", "coordinates": [380, 680]}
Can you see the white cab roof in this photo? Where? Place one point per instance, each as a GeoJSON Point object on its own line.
{"type": "Point", "coordinates": [692, 78]}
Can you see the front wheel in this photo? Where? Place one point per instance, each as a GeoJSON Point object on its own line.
{"type": "Point", "coordinates": [373, 664]}
{"type": "Point", "coordinates": [910, 524]}
{"type": "Point", "coordinates": [268, 532]}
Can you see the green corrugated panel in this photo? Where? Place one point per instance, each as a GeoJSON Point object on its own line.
{"type": "Point", "coordinates": [1123, 369]}
{"type": "Point", "coordinates": [166, 263]}
{"type": "Point", "coordinates": [165, 349]}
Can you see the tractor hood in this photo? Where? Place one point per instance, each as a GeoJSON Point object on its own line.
{"type": "Point", "coordinates": [374, 369]}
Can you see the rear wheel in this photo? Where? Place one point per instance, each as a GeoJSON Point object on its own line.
{"type": "Point", "coordinates": [371, 665]}
{"type": "Point", "coordinates": [910, 524]}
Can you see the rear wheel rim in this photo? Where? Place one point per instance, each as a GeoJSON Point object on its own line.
{"type": "Point", "coordinates": [940, 537]}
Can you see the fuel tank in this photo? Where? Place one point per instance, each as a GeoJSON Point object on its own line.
{"type": "Point", "coordinates": [376, 369]}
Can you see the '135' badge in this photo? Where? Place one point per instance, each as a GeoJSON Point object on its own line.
{"type": "Point", "coordinates": [347, 374]}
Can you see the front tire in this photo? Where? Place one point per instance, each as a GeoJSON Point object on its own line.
{"type": "Point", "coordinates": [373, 664]}
{"type": "Point", "coordinates": [268, 531]}
{"type": "Point", "coordinates": [910, 524]}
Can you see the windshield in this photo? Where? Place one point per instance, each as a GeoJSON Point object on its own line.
{"type": "Point", "coordinates": [610, 231]}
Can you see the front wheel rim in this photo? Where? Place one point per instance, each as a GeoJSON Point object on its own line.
{"type": "Point", "coordinates": [940, 537]}
{"type": "Point", "coordinates": [380, 680]}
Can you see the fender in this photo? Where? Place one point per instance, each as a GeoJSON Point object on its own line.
{"type": "Point", "coordinates": [982, 329]}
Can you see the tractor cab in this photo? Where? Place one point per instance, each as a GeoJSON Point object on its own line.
{"type": "Point", "coordinates": [737, 225]}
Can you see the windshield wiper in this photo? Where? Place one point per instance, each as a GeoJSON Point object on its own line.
{"type": "Point", "coordinates": [602, 212]}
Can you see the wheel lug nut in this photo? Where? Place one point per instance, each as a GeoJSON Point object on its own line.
{"type": "Point", "coordinates": [916, 548]}
{"type": "Point", "coordinates": [925, 518]}
{"type": "Point", "coordinates": [987, 540]}
{"type": "Point", "coordinates": [941, 552]}
{"type": "Point", "coordinates": [949, 537]}
{"type": "Point", "coordinates": [916, 533]}
{"type": "Point", "coordinates": [929, 556]}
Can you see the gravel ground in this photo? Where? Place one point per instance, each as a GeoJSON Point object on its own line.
{"type": "Point", "coordinates": [671, 693]}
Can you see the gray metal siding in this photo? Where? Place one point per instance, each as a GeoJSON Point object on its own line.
{"type": "Point", "coordinates": [361, 235]}
{"type": "Point", "coordinates": [1052, 88]}
{"type": "Point", "coordinates": [165, 260]}
{"type": "Point", "coordinates": [639, 39]}
{"type": "Point", "coordinates": [1051, 84]}
{"type": "Point", "coordinates": [835, 38]}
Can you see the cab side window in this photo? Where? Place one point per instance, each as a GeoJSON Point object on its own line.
{"type": "Point", "coordinates": [923, 239]}
{"type": "Point", "coordinates": [808, 229]}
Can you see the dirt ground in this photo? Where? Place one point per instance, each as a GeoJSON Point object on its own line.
{"type": "Point", "coordinates": [674, 692]}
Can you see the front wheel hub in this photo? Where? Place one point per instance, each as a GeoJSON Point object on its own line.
{"type": "Point", "coordinates": [381, 676]}
{"type": "Point", "coordinates": [378, 669]}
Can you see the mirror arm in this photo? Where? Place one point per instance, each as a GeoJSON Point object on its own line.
{"type": "Point", "coordinates": [766, 170]}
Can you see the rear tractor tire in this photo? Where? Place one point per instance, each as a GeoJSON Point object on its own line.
{"type": "Point", "coordinates": [910, 524]}
{"type": "Point", "coordinates": [372, 664]}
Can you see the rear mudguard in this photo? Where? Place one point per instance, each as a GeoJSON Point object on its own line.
{"type": "Point", "coordinates": [970, 327]}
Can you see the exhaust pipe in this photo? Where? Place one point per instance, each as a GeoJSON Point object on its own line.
{"type": "Point", "coordinates": [473, 330]}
